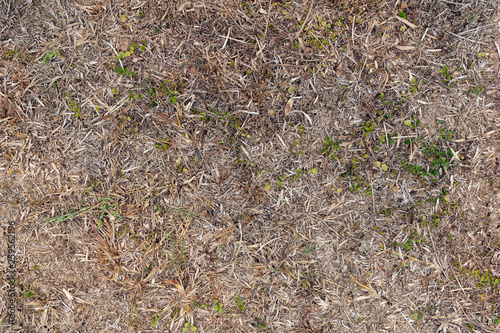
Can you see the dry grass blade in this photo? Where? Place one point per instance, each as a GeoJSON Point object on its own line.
{"type": "Point", "coordinates": [405, 48]}
{"type": "Point", "coordinates": [289, 106]}
{"type": "Point", "coordinates": [405, 21]}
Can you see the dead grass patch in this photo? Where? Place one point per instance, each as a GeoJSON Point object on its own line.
{"type": "Point", "coordinates": [248, 166]}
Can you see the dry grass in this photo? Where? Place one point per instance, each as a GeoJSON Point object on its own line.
{"type": "Point", "coordinates": [308, 166]}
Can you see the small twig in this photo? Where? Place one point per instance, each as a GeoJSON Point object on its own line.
{"type": "Point", "coordinates": [178, 47]}
{"type": "Point", "coordinates": [470, 40]}
{"type": "Point", "coordinates": [267, 19]}
{"type": "Point", "coordinates": [225, 42]}
{"type": "Point", "coordinates": [425, 33]}
{"type": "Point", "coordinates": [471, 30]}
{"type": "Point", "coordinates": [486, 328]}
{"type": "Point", "coordinates": [369, 32]}
{"type": "Point", "coordinates": [236, 40]}
{"type": "Point", "coordinates": [405, 21]}
{"type": "Point", "coordinates": [117, 55]}
{"type": "Point", "coordinates": [353, 20]}
{"type": "Point", "coordinates": [307, 17]}
{"type": "Point", "coordinates": [498, 48]}
{"type": "Point", "coordinates": [453, 3]}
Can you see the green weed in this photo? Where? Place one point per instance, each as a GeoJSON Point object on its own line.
{"type": "Point", "coordinates": [412, 124]}
{"type": "Point", "coordinates": [368, 127]}
{"type": "Point", "coordinates": [415, 86]}
{"type": "Point", "coordinates": [440, 160]}
{"type": "Point", "coordinates": [329, 147]}
{"type": "Point", "coordinates": [477, 89]}
{"type": "Point", "coordinates": [389, 139]}
{"type": "Point", "coordinates": [309, 250]}
{"type": "Point", "coordinates": [416, 315]}
{"type": "Point", "coordinates": [17, 55]}
{"type": "Point", "coordinates": [483, 278]}
{"type": "Point", "coordinates": [154, 321]}
{"type": "Point", "coordinates": [446, 134]}
{"type": "Point", "coordinates": [171, 93]}
{"type": "Point", "coordinates": [106, 204]}
{"type": "Point", "coordinates": [135, 96]}
{"type": "Point", "coordinates": [239, 303]}
{"type": "Point", "coordinates": [164, 145]}
{"type": "Point", "coordinates": [93, 185]}
{"type": "Point", "coordinates": [72, 213]}
{"type": "Point", "coordinates": [218, 307]}
{"type": "Point", "coordinates": [132, 48]}
{"type": "Point", "coordinates": [28, 294]}
{"type": "Point", "coordinates": [408, 245]}
{"type": "Point", "coordinates": [125, 71]}
{"type": "Point", "coordinates": [73, 106]}
{"type": "Point", "coordinates": [447, 76]}
{"type": "Point", "coordinates": [188, 327]}
{"type": "Point", "coordinates": [48, 56]}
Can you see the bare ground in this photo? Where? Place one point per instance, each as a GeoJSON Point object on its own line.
{"type": "Point", "coordinates": [305, 166]}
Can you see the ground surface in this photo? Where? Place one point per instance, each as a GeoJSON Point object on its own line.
{"type": "Point", "coordinates": [304, 166]}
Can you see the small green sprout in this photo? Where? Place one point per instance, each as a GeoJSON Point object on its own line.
{"type": "Point", "coordinates": [218, 307]}
{"type": "Point", "coordinates": [447, 76]}
{"type": "Point", "coordinates": [48, 57]}
{"type": "Point", "coordinates": [239, 303]}
{"type": "Point", "coordinates": [477, 89]}
{"type": "Point", "coordinates": [187, 327]}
